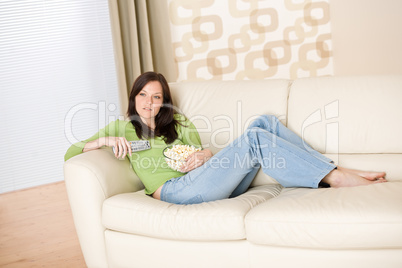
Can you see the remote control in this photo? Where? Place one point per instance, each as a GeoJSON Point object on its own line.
{"type": "Point", "coordinates": [140, 145]}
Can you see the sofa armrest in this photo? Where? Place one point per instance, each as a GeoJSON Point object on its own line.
{"type": "Point", "coordinates": [91, 178]}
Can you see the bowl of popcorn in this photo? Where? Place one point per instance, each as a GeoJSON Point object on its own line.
{"type": "Point", "coordinates": [176, 155]}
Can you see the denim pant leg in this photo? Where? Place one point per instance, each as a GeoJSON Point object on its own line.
{"type": "Point", "coordinates": [217, 179]}
{"type": "Point", "coordinates": [245, 183]}
{"type": "Point", "coordinates": [291, 165]}
{"type": "Point", "coordinates": [273, 125]}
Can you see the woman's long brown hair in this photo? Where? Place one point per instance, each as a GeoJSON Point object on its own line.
{"type": "Point", "coordinates": [164, 120]}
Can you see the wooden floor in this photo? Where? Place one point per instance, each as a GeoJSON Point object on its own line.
{"type": "Point", "coordinates": [37, 229]}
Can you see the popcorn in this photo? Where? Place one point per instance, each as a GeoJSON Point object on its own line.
{"type": "Point", "coordinates": [176, 155]}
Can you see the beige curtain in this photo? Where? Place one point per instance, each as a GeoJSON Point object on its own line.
{"type": "Point", "coordinates": [142, 42]}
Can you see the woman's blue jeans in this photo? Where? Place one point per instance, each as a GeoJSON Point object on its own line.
{"type": "Point", "coordinates": [266, 143]}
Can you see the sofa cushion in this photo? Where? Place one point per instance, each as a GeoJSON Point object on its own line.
{"type": "Point", "coordinates": [137, 213]}
{"type": "Point", "coordinates": [364, 217]}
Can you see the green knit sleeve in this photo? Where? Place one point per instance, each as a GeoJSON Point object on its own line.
{"type": "Point", "coordinates": [76, 149]}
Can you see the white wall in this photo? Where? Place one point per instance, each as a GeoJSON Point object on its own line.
{"type": "Point", "coordinates": [366, 36]}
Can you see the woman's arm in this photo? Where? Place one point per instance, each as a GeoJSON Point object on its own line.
{"type": "Point", "coordinates": [121, 145]}
{"type": "Point", "coordinates": [107, 136]}
{"type": "Point", "coordinates": [196, 160]}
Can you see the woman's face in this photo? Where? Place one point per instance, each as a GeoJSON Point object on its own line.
{"type": "Point", "coordinates": [149, 101]}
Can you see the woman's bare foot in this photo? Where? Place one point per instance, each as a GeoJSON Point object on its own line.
{"type": "Point", "coordinates": [369, 175]}
{"type": "Point", "coordinates": [343, 177]}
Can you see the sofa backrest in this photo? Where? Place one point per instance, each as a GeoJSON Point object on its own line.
{"type": "Point", "coordinates": [368, 111]}
{"type": "Point", "coordinates": [356, 119]}
{"type": "Point", "coordinates": [222, 110]}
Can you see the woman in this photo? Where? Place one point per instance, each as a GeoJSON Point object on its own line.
{"type": "Point", "coordinates": [205, 177]}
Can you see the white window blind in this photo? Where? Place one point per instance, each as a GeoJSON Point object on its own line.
{"type": "Point", "coordinates": [56, 69]}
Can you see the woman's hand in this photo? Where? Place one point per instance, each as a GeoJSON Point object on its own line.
{"type": "Point", "coordinates": [196, 160]}
{"type": "Point", "coordinates": [121, 145]}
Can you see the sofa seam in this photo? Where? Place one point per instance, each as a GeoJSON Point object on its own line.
{"type": "Point", "coordinates": [287, 100]}
{"type": "Point", "coordinates": [321, 223]}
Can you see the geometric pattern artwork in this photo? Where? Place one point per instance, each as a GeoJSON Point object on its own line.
{"type": "Point", "coordinates": [250, 39]}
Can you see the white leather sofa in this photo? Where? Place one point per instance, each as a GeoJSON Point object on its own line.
{"type": "Point", "coordinates": [356, 121]}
